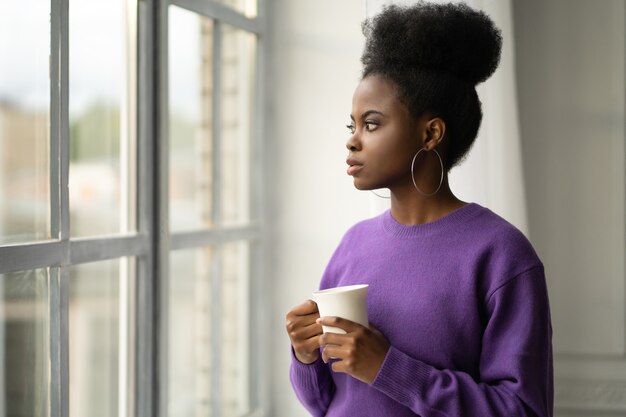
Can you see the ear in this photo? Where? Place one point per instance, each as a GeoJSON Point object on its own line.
{"type": "Point", "coordinates": [433, 133]}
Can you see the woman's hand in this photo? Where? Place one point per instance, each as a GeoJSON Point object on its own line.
{"type": "Point", "coordinates": [361, 351]}
{"type": "Point", "coordinates": [304, 331]}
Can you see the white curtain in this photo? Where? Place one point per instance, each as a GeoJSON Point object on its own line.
{"type": "Point", "coordinates": [492, 174]}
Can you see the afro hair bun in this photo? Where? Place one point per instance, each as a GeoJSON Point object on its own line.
{"type": "Point", "coordinates": [451, 38]}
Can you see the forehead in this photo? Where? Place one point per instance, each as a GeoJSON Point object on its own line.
{"type": "Point", "coordinates": [374, 92]}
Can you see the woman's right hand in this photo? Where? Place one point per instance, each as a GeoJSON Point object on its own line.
{"type": "Point", "coordinates": [304, 332]}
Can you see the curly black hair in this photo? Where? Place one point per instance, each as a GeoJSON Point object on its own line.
{"type": "Point", "coordinates": [435, 55]}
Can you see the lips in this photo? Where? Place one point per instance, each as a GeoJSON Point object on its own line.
{"type": "Point", "coordinates": [354, 166]}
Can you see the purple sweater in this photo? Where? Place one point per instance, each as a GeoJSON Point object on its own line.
{"type": "Point", "coordinates": [463, 303]}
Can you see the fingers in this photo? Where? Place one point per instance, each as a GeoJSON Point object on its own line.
{"type": "Point", "coordinates": [300, 321]}
{"type": "Point", "coordinates": [305, 342]}
{"type": "Point", "coordinates": [333, 352]}
{"type": "Point", "coordinates": [360, 352]}
{"type": "Point", "coordinates": [333, 339]}
{"type": "Point", "coordinates": [344, 324]}
{"type": "Point", "coordinates": [306, 308]}
{"type": "Point", "coordinates": [305, 332]}
{"type": "Point", "coordinates": [306, 347]}
{"type": "Point", "coordinates": [336, 346]}
{"type": "Point", "coordinates": [345, 366]}
{"type": "Point", "coordinates": [296, 323]}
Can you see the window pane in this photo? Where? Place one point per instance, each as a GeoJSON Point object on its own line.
{"type": "Point", "coordinates": [192, 182]}
{"type": "Point", "coordinates": [238, 69]}
{"type": "Point", "coordinates": [235, 330]}
{"type": "Point", "coordinates": [190, 336]}
{"type": "Point", "coordinates": [24, 344]}
{"type": "Point", "coordinates": [247, 7]}
{"type": "Point", "coordinates": [190, 117]}
{"type": "Point", "coordinates": [24, 121]}
{"type": "Point", "coordinates": [197, 336]}
{"type": "Point", "coordinates": [102, 94]}
{"type": "Point", "coordinates": [98, 337]}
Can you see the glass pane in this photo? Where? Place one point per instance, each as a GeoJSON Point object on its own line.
{"type": "Point", "coordinates": [98, 337]}
{"type": "Point", "coordinates": [247, 7]}
{"type": "Point", "coordinates": [191, 95]}
{"type": "Point", "coordinates": [190, 116]}
{"type": "Point", "coordinates": [102, 91]}
{"type": "Point", "coordinates": [24, 344]}
{"type": "Point", "coordinates": [24, 121]}
{"type": "Point", "coordinates": [190, 342]}
{"type": "Point", "coordinates": [237, 100]}
{"type": "Point", "coordinates": [195, 332]}
{"type": "Point", "coordinates": [235, 329]}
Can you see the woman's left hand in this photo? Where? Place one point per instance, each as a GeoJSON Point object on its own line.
{"type": "Point", "coordinates": [361, 350]}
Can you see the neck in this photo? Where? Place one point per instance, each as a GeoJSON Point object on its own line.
{"type": "Point", "coordinates": [410, 207]}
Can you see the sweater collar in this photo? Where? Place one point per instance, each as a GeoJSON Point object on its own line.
{"type": "Point", "coordinates": [448, 222]}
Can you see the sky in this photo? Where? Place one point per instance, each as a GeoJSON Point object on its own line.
{"type": "Point", "coordinates": [97, 49]}
{"type": "Point", "coordinates": [24, 51]}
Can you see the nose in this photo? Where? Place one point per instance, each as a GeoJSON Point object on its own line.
{"type": "Point", "coordinates": [353, 143]}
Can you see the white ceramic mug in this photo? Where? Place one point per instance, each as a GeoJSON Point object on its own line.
{"type": "Point", "coordinates": [348, 302]}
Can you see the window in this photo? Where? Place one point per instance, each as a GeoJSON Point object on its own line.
{"type": "Point", "coordinates": [131, 221]}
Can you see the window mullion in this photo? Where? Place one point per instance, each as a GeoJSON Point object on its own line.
{"type": "Point", "coordinates": [259, 249]}
{"type": "Point", "coordinates": [216, 330]}
{"type": "Point", "coordinates": [59, 120]}
{"type": "Point", "coordinates": [59, 208]}
{"type": "Point", "coordinates": [216, 124]}
{"type": "Point", "coordinates": [146, 331]}
{"type": "Point", "coordinates": [55, 119]}
{"type": "Point", "coordinates": [147, 377]}
{"type": "Point", "coordinates": [64, 121]}
{"type": "Point", "coordinates": [221, 12]}
{"type": "Point", "coordinates": [198, 238]}
{"type": "Point", "coordinates": [216, 212]}
{"type": "Point", "coordinates": [260, 289]}
{"type": "Point", "coordinates": [58, 333]}
{"type": "Point", "coordinates": [160, 223]}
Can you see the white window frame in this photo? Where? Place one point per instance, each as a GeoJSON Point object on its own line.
{"type": "Point", "coordinates": [153, 241]}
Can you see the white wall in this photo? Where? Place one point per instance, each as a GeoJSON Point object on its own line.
{"type": "Point", "coordinates": [315, 48]}
{"type": "Point", "coordinates": [570, 65]}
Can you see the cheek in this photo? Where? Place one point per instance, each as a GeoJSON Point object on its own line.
{"type": "Point", "coordinates": [390, 163]}
{"type": "Point", "coordinates": [393, 153]}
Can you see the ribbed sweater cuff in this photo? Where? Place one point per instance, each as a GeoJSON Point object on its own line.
{"type": "Point", "coordinates": [402, 377]}
{"type": "Point", "coordinates": [307, 375]}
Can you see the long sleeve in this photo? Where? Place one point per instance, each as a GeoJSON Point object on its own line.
{"type": "Point", "coordinates": [312, 384]}
{"type": "Point", "coordinates": [515, 369]}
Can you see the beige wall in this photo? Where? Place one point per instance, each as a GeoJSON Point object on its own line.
{"type": "Point", "coordinates": [315, 50]}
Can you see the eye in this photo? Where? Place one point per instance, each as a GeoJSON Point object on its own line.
{"type": "Point", "coordinates": [370, 126]}
{"type": "Point", "coordinates": [351, 128]}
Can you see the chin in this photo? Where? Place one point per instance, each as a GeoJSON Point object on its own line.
{"type": "Point", "coordinates": [361, 186]}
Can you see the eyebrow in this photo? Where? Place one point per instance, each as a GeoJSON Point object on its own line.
{"type": "Point", "coordinates": [367, 113]}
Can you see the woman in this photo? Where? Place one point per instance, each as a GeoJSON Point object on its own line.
{"type": "Point", "coordinates": [457, 294]}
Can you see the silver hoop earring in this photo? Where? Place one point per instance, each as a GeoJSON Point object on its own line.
{"type": "Point", "coordinates": [378, 195]}
{"type": "Point", "coordinates": [413, 177]}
